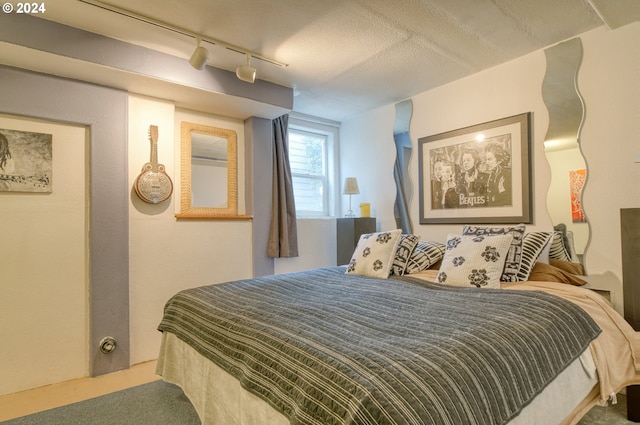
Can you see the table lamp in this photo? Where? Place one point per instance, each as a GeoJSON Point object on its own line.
{"type": "Point", "coordinates": [350, 188]}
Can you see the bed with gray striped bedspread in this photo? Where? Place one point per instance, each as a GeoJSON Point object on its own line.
{"type": "Point", "coordinates": [323, 347]}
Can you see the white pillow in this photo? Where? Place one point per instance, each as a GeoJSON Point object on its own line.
{"type": "Point", "coordinates": [474, 260]}
{"type": "Point", "coordinates": [374, 254]}
{"type": "Point", "coordinates": [514, 256]}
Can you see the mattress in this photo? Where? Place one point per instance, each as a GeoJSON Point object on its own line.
{"type": "Point", "coordinates": [219, 398]}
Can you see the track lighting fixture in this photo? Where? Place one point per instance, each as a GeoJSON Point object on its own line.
{"type": "Point", "coordinates": [200, 56]}
{"type": "Point", "coordinates": [246, 72]}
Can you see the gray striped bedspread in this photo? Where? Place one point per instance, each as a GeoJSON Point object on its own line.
{"type": "Point", "coordinates": [323, 347]}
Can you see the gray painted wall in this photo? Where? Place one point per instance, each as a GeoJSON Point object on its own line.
{"type": "Point", "coordinates": [258, 155]}
{"type": "Point", "coordinates": [104, 111]}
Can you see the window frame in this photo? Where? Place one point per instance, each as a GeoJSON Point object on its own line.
{"type": "Point", "coordinates": [330, 130]}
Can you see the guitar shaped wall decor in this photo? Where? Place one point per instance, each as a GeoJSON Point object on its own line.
{"type": "Point", "coordinates": [153, 185]}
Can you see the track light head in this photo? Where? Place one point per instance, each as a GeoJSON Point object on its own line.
{"type": "Point", "coordinates": [200, 57]}
{"type": "Point", "coordinates": [246, 72]}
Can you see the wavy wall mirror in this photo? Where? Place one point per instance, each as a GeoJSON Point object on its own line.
{"type": "Point", "coordinates": [404, 148]}
{"type": "Point", "coordinates": [562, 141]}
{"type": "Point", "coordinates": [208, 172]}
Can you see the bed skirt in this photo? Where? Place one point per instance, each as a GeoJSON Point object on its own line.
{"type": "Point", "coordinates": [218, 398]}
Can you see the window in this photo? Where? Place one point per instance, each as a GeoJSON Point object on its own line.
{"type": "Point", "coordinates": [311, 148]}
{"type": "Point", "coordinates": [308, 171]}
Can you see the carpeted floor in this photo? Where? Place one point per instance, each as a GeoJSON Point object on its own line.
{"type": "Point", "coordinates": [158, 403]}
{"type": "Point", "coordinates": [161, 403]}
{"type": "Point", "coordinates": [615, 414]}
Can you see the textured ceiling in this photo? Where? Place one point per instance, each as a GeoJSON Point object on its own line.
{"type": "Point", "coordinates": [349, 56]}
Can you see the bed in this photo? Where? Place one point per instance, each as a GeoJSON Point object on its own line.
{"type": "Point", "coordinates": [338, 346]}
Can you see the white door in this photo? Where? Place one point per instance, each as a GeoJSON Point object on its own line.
{"type": "Point", "coordinates": [43, 259]}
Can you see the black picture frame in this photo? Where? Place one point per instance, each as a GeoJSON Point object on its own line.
{"type": "Point", "coordinates": [495, 188]}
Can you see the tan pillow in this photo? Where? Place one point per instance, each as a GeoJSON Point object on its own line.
{"type": "Point", "coordinates": [568, 266]}
{"type": "Point", "coordinates": [547, 273]}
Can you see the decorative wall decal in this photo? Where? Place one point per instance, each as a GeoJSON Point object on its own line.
{"type": "Point", "coordinates": [25, 161]}
{"type": "Point", "coordinates": [153, 185]}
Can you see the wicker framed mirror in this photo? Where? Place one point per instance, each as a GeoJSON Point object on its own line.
{"type": "Point", "coordinates": [208, 172]}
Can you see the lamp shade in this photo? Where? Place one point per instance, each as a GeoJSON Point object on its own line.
{"type": "Point", "coordinates": [350, 186]}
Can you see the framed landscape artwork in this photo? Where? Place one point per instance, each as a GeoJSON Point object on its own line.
{"type": "Point", "coordinates": [25, 161]}
{"type": "Point", "coordinates": [478, 174]}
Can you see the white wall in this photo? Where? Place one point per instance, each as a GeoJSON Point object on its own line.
{"type": "Point", "coordinates": [316, 246]}
{"type": "Point", "coordinates": [608, 81]}
{"type": "Point", "coordinates": [166, 254]}
{"type": "Point", "coordinates": [367, 152]}
{"type": "Point", "coordinates": [610, 138]}
{"type": "Point", "coordinates": [43, 271]}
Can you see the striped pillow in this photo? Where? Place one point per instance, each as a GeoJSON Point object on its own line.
{"type": "Point", "coordinates": [403, 253]}
{"type": "Point", "coordinates": [425, 255]}
{"type": "Point", "coordinates": [532, 245]}
{"type": "Point", "coordinates": [558, 249]}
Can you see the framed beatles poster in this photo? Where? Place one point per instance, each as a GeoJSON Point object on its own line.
{"type": "Point", "coordinates": [478, 174]}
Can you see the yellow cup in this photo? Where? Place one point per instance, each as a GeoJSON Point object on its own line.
{"type": "Point", "coordinates": [365, 209]}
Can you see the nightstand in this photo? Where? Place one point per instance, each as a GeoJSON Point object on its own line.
{"type": "Point", "coordinates": [349, 231]}
{"type": "Point", "coordinates": [630, 229]}
{"type": "Point", "coordinates": [600, 286]}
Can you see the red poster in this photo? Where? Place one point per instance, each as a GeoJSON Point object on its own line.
{"type": "Point", "coordinates": [576, 183]}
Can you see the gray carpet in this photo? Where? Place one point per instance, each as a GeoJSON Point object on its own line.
{"type": "Point", "coordinates": [157, 403]}
{"type": "Point", "coordinates": [615, 414]}
{"type": "Point", "coordinates": [161, 403]}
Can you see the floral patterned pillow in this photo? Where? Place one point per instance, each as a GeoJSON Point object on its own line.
{"type": "Point", "coordinates": [374, 254]}
{"type": "Point", "coordinates": [514, 256]}
{"type": "Point", "coordinates": [474, 260]}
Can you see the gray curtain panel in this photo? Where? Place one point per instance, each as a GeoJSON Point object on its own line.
{"type": "Point", "coordinates": [283, 234]}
